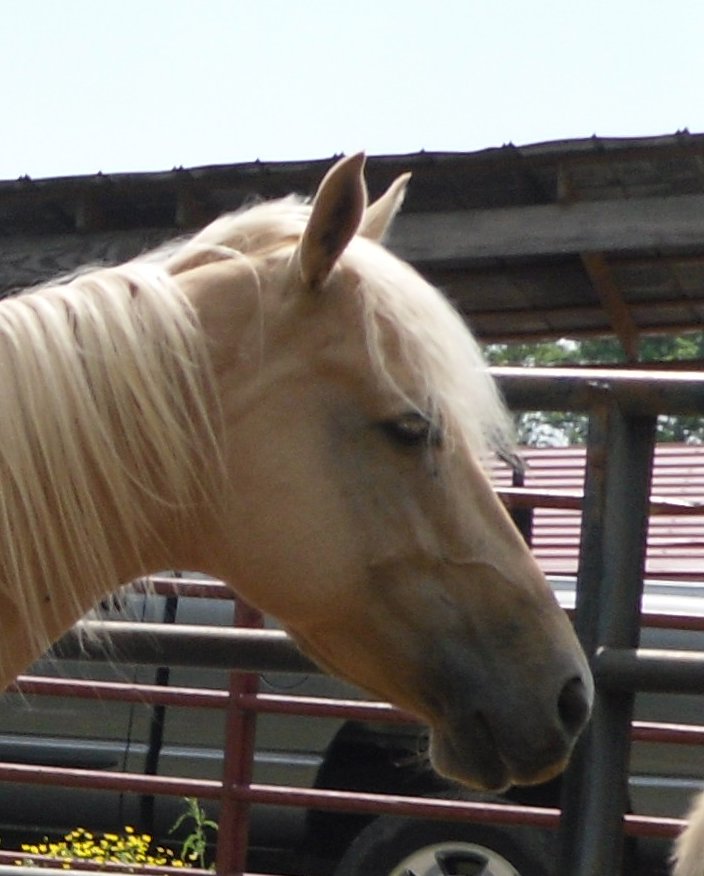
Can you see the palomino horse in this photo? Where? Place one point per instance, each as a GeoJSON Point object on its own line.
{"type": "Point", "coordinates": [283, 404]}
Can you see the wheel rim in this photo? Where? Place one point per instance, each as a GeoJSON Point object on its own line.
{"type": "Point", "coordinates": [454, 859]}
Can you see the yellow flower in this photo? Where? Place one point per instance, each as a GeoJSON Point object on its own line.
{"type": "Point", "coordinates": [127, 848]}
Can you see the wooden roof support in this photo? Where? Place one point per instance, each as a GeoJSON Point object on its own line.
{"type": "Point", "coordinates": [613, 227]}
{"type": "Point", "coordinates": [601, 277]}
{"type": "Point", "coordinates": [613, 302]}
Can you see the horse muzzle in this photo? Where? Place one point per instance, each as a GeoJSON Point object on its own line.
{"type": "Point", "coordinates": [489, 749]}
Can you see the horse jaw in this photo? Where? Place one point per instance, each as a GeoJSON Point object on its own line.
{"type": "Point", "coordinates": [502, 689]}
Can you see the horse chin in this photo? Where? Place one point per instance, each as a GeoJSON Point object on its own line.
{"type": "Point", "coordinates": [473, 758]}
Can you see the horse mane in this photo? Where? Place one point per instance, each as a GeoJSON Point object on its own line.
{"type": "Point", "coordinates": [104, 381]}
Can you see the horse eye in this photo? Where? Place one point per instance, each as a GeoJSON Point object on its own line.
{"type": "Point", "coordinates": [413, 429]}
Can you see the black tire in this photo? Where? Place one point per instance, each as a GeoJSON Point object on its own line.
{"type": "Point", "coordinates": [393, 846]}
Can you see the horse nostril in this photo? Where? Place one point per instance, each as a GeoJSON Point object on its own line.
{"type": "Point", "coordinates": [573, 705]}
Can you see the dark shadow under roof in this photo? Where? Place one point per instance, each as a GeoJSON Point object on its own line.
{"type": "Point", "coordinates": [572, 238]}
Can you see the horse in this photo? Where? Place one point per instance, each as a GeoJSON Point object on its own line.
{"type": "Point", "coordinates": [280, 402]}
{"type": "Point", "coordinates": [688, 854]}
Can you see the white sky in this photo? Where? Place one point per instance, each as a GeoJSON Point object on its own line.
{"type": "Point", "coordinates": [128, 85]}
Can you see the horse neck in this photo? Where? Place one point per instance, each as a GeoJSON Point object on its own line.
{"type": "Point", "coordinates": [104, 436]}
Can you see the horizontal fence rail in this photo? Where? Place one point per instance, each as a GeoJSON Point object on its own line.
{"type": "Point", "coordinates": [621, 669]}
{"type": "Point", "coordinates": [243, 650]}
{"type": "Point", "coordinates": [644, 393]}
{"type": "Point", "coordinates": [151, 644]}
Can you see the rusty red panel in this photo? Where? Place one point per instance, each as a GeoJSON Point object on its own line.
{"type": "Point", "coordinates": [675, 541]}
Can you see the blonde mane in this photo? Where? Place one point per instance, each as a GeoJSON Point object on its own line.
{"type": "Point", "coordinates": [106, 379]}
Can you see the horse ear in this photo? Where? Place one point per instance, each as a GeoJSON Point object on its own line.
{"type": "Point", "coordinates": [337, 212]}
{"type": "Point", "coordinates": [379, 215]}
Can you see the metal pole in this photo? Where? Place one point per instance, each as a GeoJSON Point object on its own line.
{"type": "Point", "coordinates": [576, 389]}
{"type": "Point", "coordinates": [609, 589]}
{"type": "Point", "coordinates": [233, 833]}
{"type": "Point", "coordinates": [625, 669]}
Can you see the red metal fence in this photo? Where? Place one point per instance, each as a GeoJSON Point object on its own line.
{"type": "Point", "coordinates": [236, 792]}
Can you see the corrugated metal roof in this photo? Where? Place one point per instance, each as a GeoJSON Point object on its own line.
{"type": "Point", "coordinates": [675, 541]}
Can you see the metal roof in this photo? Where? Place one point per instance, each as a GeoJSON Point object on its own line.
{"type": "Point", "coordinates": [572, 238]}
{"type": "Point", "coordinates": [555, 475]}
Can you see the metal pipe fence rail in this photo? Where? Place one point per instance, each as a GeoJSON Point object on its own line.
{"type": "Point", "coordinates": [149, 644]}
{"type": "Point", "coordinates": [622, 409]}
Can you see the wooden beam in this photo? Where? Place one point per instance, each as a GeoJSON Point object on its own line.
{"type": "Point", "coordinates": [460, 238]}
{"type": "Point", "coordinates": [615, 307]}
{"type": "Point", "coordinates": [467, 237]}
{"type": "Point", "coordinates": [576, 320]}
{"type": "Point", "coordinates": [26, 261]}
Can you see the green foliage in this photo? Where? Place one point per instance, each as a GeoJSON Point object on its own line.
{"type": "Point", "coordinates": [597, 351]}
{"type": "Point", "coordinates": [195, 846]}
{"type": "Point", "coordinates": [546, 428]}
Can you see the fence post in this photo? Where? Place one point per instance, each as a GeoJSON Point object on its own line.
{"type": "Point", "coordinates": [240, 732]}
{"type": "Point", "coordinates": [609, 590]}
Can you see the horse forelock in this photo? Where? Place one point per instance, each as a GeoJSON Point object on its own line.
{"type": "Point", "coordinates": [438, 351]}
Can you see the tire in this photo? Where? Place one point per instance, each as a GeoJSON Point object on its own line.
{"type": "Point", "coordinates": [393, 846]}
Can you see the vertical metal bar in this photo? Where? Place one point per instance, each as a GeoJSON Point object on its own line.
{"type": "Point", "coordinates": [585, 622]}
{"type": "Point", "coordinates": [522, 517]}
{"type": "Point", "coordinates": [156, 725]}
{"type": "Point", "coordinates": [609, 590]}
{"type": "Point", "coordinates": [240, 732]}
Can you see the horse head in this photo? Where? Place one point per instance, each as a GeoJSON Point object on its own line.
{"type": "Point", "coordinates": [355, 410]}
